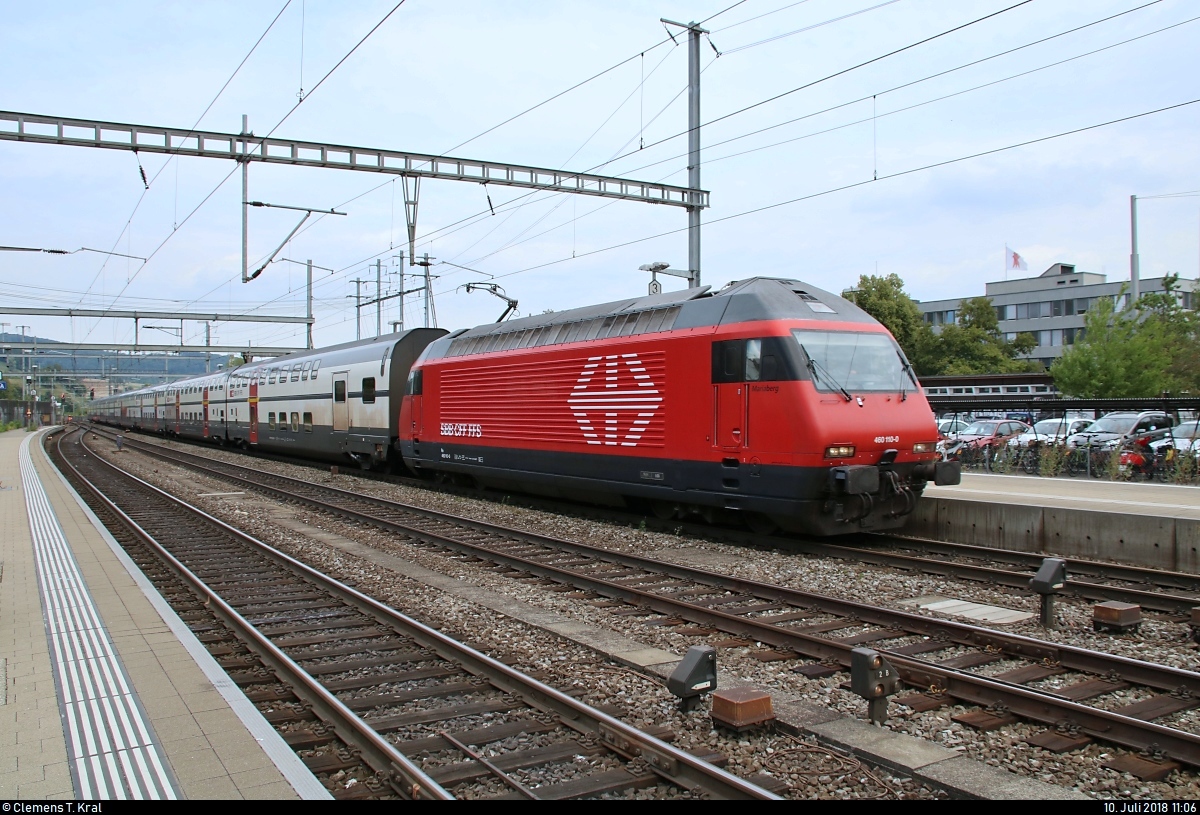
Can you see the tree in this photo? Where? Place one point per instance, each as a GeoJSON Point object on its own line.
{"type": "Point", "coordinates": [974, 344]}
{"type": "Point", "coordinates": [1120, 355]}
{"type": "Point", "coordinates": [884, 299]}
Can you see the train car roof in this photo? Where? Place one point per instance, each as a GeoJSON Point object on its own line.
{"type": "Point", "coordinates": [297, 356]}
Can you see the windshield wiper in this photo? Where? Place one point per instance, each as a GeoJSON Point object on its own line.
{"type": "Point", "coordinates": [824, 374]}
{"type": "Point", "coordinates": [907, 368]}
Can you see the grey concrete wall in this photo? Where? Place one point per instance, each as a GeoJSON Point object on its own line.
{"type": "Point", "coordinates": [1139, 540]}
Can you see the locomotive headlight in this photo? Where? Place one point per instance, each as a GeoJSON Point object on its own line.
{"type": "Point", "coordinates": [925, 447]}
{"type": "Point", "coordinates": [840, 451]}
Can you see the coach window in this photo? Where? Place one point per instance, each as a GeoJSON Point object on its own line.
{"type": "Point", "coordinates": [295, 422]}
{"type": "Point", "coordinates": [368, 390]}
{"type": "Point", "coordinates": [316, 365]}
{"type": "Point", "coordinates": [308, 422]}
{"type": "Point", "coordinates": [271, 421]}
{"type": "Point", "coordinates": [271, 376]}
{"type": "Point", "coordinates": [753, 360]}
{"type": "Point", "coordinates": [296, 371]}
{"type": "Point", "coordinates": [305, 370]}
{"type": "Point", "coordinates": [339, 390]}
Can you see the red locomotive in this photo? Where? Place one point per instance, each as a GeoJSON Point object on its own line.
{"type": "Point", "coordinates": [769, 400]}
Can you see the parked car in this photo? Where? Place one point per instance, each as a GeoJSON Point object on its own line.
{"type": "Point", "coordinates": [1113, 429]}
{"type": "Point", "coordinates": [950, 428]}
{"type": "Point", "coordinates": [1049, 430]}
{"type": "Point", "coordinates": [1184, 438]}
{"type": "Point", "coordinates": [984, 438]}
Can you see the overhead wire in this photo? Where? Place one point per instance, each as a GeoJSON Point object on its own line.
{"type": "Point", "coordinates": [263, 139]}
{"type": "Point", "coordinates": [863, 183]}
{"type": "Point", "coordinates": [807, 28]}
{"type": "Point", "coordinates": [915, 105]}
{"type": "Point", "coordinates": [514, 242]}
{"type": "Point", "coordinates": [794, 90]}
{"type": "Point", "coordinates": [889, 90]}
{"type": "Point", "coordinates": [196, 124]}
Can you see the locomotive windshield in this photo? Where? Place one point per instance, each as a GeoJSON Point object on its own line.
{"type": "Point", "coordinates": [855, 361]}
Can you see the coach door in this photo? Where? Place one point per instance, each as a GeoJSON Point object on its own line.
{"type": "Point", "coordinates": [254, 408]}
{"type": "Point", "coordinates": [204, 402]}
{"type": "Point", "coordinates": [729, 394]}
{"type": "Point", "coordinates": [178, 407]}
{"type": "Point", "coordinates": [341, 404]}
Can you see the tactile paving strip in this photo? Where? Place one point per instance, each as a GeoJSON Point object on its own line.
{"type": "Point", "coordinates": [110, 743]}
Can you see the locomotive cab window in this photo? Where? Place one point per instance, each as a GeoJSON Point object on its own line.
{"type": "Point", "coordinates": [368, 390]}
{"type": "Point", "coordinates": [753, 360]}
{"type": "Point", "coordinates": [854, 361]}
{"type": "Point", "coordinates": [413, 386]}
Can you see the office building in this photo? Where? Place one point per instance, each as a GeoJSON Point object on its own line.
{"type": "Point", "coordinates": [1051, 306]}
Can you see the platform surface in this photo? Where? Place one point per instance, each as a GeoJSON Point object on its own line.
{"type": "Point", "coordinates": [207, 737]}
{"type": "Point", "coordinates": [1094, 494]}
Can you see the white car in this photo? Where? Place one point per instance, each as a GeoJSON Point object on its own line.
{"type": "Point", "coordinates": [1184, 438]}
{"type": "Point", "coordinates": [950, 428]}
{"type": "Point", "coordinates": [1049, 430]}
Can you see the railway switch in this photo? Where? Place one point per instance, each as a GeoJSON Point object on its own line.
{"type": "Point", "coordinates": [873, 678]}
{"type": "Point", "coordinates": [1051, 576]}
{"type": "Point", "coordinates": [695, 676]}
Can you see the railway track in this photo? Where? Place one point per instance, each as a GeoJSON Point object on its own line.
{"type": "Point", "coordinates": [361, 691]}
{"type": "Point", "coordinates": [1061, 686]}
{"type": "Point", "coordinates": [1173, 593]}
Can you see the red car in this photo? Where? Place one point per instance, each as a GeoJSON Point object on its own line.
{"type": "Point", "coordinates": [987, 435]}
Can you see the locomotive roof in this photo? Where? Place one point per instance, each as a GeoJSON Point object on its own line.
{"type": "Point", "coordinates": [756, 298]}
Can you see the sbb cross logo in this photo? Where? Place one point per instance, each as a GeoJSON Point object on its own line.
{"type": "Point", "coordinates": [614, 400]}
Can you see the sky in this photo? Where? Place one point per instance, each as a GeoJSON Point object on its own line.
{"type": "Point", "coordinates": [827, 155]}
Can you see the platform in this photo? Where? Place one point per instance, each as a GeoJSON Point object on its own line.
{"type": "Point", "coordinates": [105, 692]}
{"type": "Point", "coordinates": [1140, 523]}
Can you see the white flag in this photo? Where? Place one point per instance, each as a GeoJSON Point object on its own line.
{"type": "Point", "coordinates": [1013, 260]}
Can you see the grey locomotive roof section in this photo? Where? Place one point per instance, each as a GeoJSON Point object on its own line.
{"type": "Point", "coordinates": [587, 312]}
{"type": "Point", "coordinates": [757, 298]}
{"type": "Point", "coordinates": [768, 298]}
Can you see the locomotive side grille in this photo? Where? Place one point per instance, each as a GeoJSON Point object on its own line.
{"type": "Point", "coordinates": [608, 400]}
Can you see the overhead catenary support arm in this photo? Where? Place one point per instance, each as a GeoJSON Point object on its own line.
{"type": "Point", "coordinates": [410, 215]}
{"type": "Point", "coordinates": [307, 212]}
{"type": "Point", "coordinates": [31, 127]}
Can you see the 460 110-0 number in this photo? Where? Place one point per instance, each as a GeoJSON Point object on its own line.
{"type": "Point", "coordinates": [462, 429]}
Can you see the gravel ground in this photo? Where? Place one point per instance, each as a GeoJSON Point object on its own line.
{"type": "Point", "coordinates": [801, 765]}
